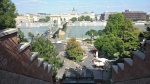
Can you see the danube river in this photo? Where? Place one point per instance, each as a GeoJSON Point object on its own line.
{"type": "Point", "coordinates": [71, 31]}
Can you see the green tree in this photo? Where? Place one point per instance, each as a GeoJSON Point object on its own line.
{"type": "Point", "coordinates": [47, 51]}
{"type": "Point", "coordinates": [81, 18]}
{"type": "Point", "coordinates": [73, 19]}
{"type": "Point", "coordinates": [21, 36]}
{"type": "Point", "coordinates": [7, 14]}
{"type": "Point", "coordinates": [42, 20]}
{"type": "Point", "coordinates": [100, 32]}
{"type": "Point", "coordinates": [73, 49]}
{"type": "Point", "coordinates": [110, 46]}
{"type": "Point", "coordinates": [31, 35]}
{"type": "Point", "coordinates": [114, 24]}
{"type": "Point", "coordinates": [147, 33]}
{"type": "Point", "coordinates": [91, 33]}
{"type": "Point", "coordinates": [47, 18]}
{"type": "Point", "coordinates": [87, 18]}
{"type": "Point", "coordinates": [123, 29]}
{"type": "Point", "coordinates": [91, 20]}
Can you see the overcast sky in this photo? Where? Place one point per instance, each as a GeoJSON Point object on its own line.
{"type": "Point", "coordinates": [65, 6]}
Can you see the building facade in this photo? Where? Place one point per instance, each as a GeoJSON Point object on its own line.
{"type": "Point", "coordinates": [135, 15]}
{"type": "Point", "coordinates": [105, 15]}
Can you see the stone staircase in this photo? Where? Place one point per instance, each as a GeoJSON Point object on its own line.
{"type": "Point", "coordinates": [133, 71]}
{"type": "Point", "coordinates": [17, 59]}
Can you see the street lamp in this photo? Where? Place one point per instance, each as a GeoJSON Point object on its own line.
{"type": "Point", "coordinates": [141, 40]}
{"type": "Point", "coordinates": [92, 38]}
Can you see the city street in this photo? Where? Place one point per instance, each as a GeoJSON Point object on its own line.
{"type": "Point", "coordinates": [87, 62]}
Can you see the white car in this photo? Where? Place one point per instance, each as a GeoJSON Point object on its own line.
{"type": "Point", "coordinates": [58, 42]}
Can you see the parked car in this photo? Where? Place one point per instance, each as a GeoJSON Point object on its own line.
{"type": "Point", "coordinates": [58, 42]}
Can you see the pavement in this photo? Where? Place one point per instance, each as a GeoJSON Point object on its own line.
{"type": "Point", "coordinates": [67, 64]}
{"type": "Point", "coordinates": [87, 61]}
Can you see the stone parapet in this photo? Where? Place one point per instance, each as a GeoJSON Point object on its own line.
{"type": "Point", "coordinates": [136, 69]}
{"type": "Point", "coordinates": [18, 59]}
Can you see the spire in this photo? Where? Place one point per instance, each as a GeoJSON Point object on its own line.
{"type": "Point", "coordinates": [73, 9]}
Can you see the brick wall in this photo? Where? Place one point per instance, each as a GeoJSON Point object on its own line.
{"type": "Point", "coordinates": [136, 81]}
{"type": "Point", "coordinates": [138, 72]}
{"type": "Point", "coordinates": [13, 78]}
{"type": "Point", "coordinates": [14, 62]}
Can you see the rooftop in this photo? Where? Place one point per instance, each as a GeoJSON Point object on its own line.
{"type": "Point", "coordinates": [127, 11]}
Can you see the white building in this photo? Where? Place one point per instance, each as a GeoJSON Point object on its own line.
{"type": "Point", "coordinates": [20, 19]}
{"type": "Point", "coordinates": [66, 17]}
{"type": "Point", "coordinates": [36, 17]}
{"type": "Point", "coordinates": [55, 18]}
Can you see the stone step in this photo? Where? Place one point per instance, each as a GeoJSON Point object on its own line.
{"type": "Point", "coordinates": [129, 61]}
{"type": "Point", "coordinates": [33, 55]}
{"type": "Point", "coordinates": [115, 67]}
{"type": "Point", "coordinates": [121, 65]}
{"type": "Point", "coordinates": [22, 46]}
{"type": "Point", "coordinates": [40, 60]}
{"type": "Point", "coordinates": [139, 54]}
{"type": "Point", "coordinates": [49, 67]}
{"type": "Point", "coordinates": [45, 65]}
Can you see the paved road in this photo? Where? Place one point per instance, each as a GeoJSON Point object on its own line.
{"type": "Point", "coordinates": [59, 47]}
{"type": "Point", "coordinates": [67, 64]}
{"type": "Point", "coordinates": [87, 62]}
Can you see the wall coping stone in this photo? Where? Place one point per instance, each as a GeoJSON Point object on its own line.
{"type": "Point", "coordinates": [33, 55]}
{"type": "Point", "coordinates": [129, 61]}
{"type": "Point", "coordinates": [7, 31]}
{"type": "Point", "coordinates": [121, 65]}
{"type": "Point", "coordinates": [49, 67]}
{"type": "Point", "coordinates": [23, 46]}
{"type": "Point", "coordinates": [45, 65]}
{"type": "Point", "coordinates": [40, 60]}
{"type": "Point", "coordinates": [139, 54]}
{"type": "Point", "coordinates": [115, 67]}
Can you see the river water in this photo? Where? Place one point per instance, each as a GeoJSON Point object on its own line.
{"type": "Point", "coordinates": [70, 31]}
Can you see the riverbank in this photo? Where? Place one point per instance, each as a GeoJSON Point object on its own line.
{"type": "Point", "coordinates": [88, 23]}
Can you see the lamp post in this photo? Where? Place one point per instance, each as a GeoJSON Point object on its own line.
{"type": "Point", "coordinates": [141, 40]}
{"type": "Point", "coordinates": [92, 38]}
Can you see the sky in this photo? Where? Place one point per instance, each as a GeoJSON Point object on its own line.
{"type": "Point", "coordinates": [66, 6]}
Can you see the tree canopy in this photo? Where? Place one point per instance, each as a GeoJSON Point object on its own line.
{"type": "Point", "coordinates": [110, 45]}
{"type": "Point", "coordinates": [147, 33]}
{"type": "Point", "coordinates": [73, 49]}
{"type": "Point", "coordinates": [7, 14]}
{"type": "Point", "coordinates": [114, 24]}
{"type": "Point", "coordinates": [119, 29]}
{"type": "Point", "coordinates": [21, 36]}
{"type": "Point", "coordinates": [30, 35]}
{"type": "Point", "coordinates": [46, 50]}
{"type": "Point", "coordinates": [85, 18]}
{"type": "Point", "coordinates": [46, 19]}
{"type": "Point", "coordinates": [91, 33]}
{"type": "Point", "coordinates": [73, 19]}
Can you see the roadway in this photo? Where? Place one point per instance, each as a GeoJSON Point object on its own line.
{"type": "Point", "coordinates": [87, 61]}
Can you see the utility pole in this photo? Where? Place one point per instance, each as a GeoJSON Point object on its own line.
{"type": "Point", "coordinates": [92, 38]}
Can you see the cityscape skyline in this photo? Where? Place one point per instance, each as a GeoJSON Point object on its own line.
{"type": "Point", "coordinates": [65, 6]}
